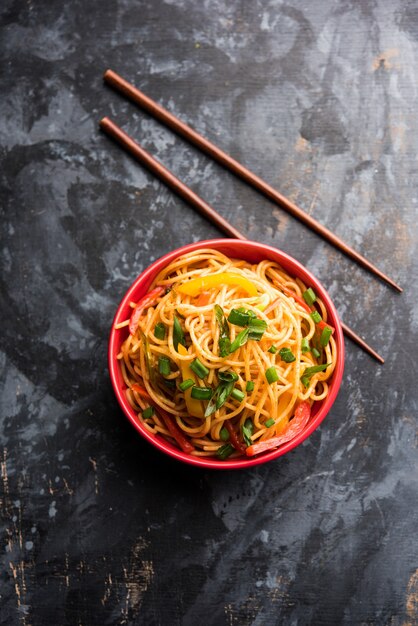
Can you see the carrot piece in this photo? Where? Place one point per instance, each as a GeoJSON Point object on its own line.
{"type": "Point", "coordinates": [144, 303]}
{"type": "Point", "coordinates": [175, 431]}
{"type": "Point", "coordinates": [203, 298]}
{"type": "Point", "coordinates": [295, 427]}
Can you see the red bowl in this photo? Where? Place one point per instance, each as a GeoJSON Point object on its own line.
{"type": "Point", "coordinates": [253, 252]}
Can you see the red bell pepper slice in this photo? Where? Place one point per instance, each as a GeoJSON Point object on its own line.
{"type": "Point", "coordinates": [144, 303]}
{"type": "Point", "coordinates": [175, 431]}
{"type": "Point", "coordinates": [169, 421]}
{"type": "Point", "coordinates": [141, 391]}
{"type": "Point", "coordinates": [295, 427]}
{"type": "Point", "coordinates": [233, 438]}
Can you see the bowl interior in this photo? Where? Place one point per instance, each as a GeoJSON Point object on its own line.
{"type": "Point", "coordinates": [253, 252]}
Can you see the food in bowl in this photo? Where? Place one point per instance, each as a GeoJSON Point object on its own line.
{"type": "Point", "coordinates": [225, 357]}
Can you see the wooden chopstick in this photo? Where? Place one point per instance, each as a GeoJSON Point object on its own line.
{"type": "Point", "coordinates": [173, 122]}
{"type": "Point", "coordinates": [167, 177]}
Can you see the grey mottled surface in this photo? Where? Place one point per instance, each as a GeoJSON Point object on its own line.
{"type": "Point", "coordinates": [321, 99]}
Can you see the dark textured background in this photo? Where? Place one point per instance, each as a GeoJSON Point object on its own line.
{"type": "Point", "coordinates": [320, 98]}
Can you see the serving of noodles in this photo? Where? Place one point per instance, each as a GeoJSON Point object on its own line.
{"type": "Point", "coordinates": [225, 358]}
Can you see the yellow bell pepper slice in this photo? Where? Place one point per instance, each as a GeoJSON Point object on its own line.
{"type": "Point", "coordinates": [194, 286]}
{"type": "Point", "coordinates": [194, 407]}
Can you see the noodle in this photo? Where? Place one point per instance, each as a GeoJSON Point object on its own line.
{"type": "Point", "coordinates": [252, 373]}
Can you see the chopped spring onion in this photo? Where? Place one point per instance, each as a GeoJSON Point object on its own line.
{"type": "Point", "coordinates": [228, 376]}
{"type": "Point", "coordinates": [224, 434]}
{"type": "Point", "coordinates": [201, 393]}
{"type": "Point", "coordinates": [186, 384]}
{"type": "Point", "coordinates": [270, 422]}
{"type": "Point", "coordinates": [310, 371]}
{"type": "Point", "coordinates": [287, 355]}
{"type": "Point", "coordinates": [237, 394]}
{"type": "Point", "coordinates": [148, 412]}
{"type": "Point", "coordinates": [325, 336]}
{"type": "Point", "coordinates": [305, 345]}
{"type": "Point", "coordinates": [309, 296]}
{"type": "Point", "coordinates": [316, 353]}
{"type": "Point", "coordinates": [257, 329]}
{"type": "Point", "coordinates": [199, 369]}
{"type": "Point", "coordinates": [247, 430]}
{"type": "Point", "coordinates": [164, 366]}
{"type": "Point", "coordinates": [316, 368]}
{"type": "Point", "coordinates": [316, 317]}
{"type": "Point", "coordinates": [224, 340]}
{"type": "Point", "coordinates": [272, 349]}
{"type": "Point", "coordinates": [159, 330]}
{"type": "Point", "coordinates": [219, 397]}
{"type": "Point", "coordinates": [178, 335]}
{"type": "Point", "coordinates": [249, 386]}
{"type": "Point", "coordinates": [148, 356]}
{"type": "Point", "coordinates": [225, 451]}
{"type": "Point", "coordinates": [238, 317]}
{"type": "Point", "coordinates": [271, 375]}
{"type": "Point", "coordinates": [239, 340]}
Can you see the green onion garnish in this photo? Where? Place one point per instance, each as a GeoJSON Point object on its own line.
{"type": "Point", "coordinates": [199, 369]}
{"type": "Point", "coordinates": [186, 384]}
{"type": "Point", "coordinates": [178, 334]}
{"type": "Point", "coordinates": [224, 340]}
{"type": "Point", "coordinates": [247, 430]}
{"type": "Point", "coordinates": [225, 451]}
{"type": "Point", "coordinates": [237, 394]}
{"type": "Point", "coordinates": [257, 329]}
{"type": "Point", "coordinates": [305, 345]}
{"type": "Point", "coordinates": [316, 353]}
{"type": "Point", "coordinates": [148, 356]}
{"type": "Point", "coordinates": [249, 386]}
{"type": "Point", "coordinates": [201, 393]}
{"type": "Point", "coordinates": [315, 369]}
{"type": "Point", "coordinates": [316, 317]}
{"type": "Point", "coordinates": [325, 336]}
{"type": "Point", "coordinates": [148, 412]}
{"type": "Point", "coordinates": [228, 376]}
{"type": "Point", "coordinates": [159, 330]}
{"type": "Point", "coordinates": [164, 366]}
{"type": "Point", "coordinates": [219, 397]}
{"type": "Point", "coordinates": [310, 371]}
{"type": "Point", "coordinates": [270, 422]}
{"type": "Point", "coordinates": [287, 355]}
{"type": "Point", "coordinates": [309, 296]}
{"type": "Point", "coordinates": [272, 349]}
{"type": "Point", "coordinates": [239, 340]}
{"type": "Point", "coordinates": [271, 375]}
{"type": "Point", "coordinates": [238, 318]}
{"type": "Point", "coordinates": [224, 434]}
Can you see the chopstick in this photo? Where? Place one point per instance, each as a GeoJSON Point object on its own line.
{"type": "Point", "coordinates": [159, 170]}
{"type": "Point", "coordinates": [175, 124]}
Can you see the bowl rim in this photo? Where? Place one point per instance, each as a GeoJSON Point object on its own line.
{"type": "Point", "coordinates": [145, 279]}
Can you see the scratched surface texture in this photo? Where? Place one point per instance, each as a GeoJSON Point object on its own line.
{"type": "Point", "coordinates": [320, 98]}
